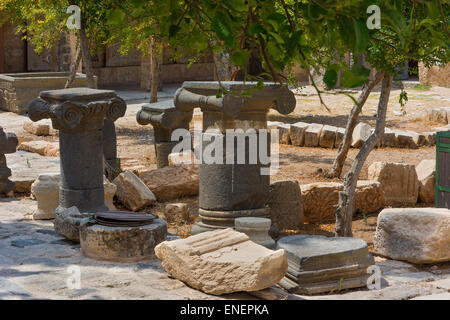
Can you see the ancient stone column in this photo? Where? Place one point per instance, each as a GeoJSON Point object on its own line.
{"type": "Point", "coordinates": [165, 119]}
{"type": "Point", "coordinates": [233, 186]}
{"type": "Point", "coordinates": [110, 146]}
{"type": "Point", "coordinates": [8, 144]}
{"type": "Point", "coordinates": [78, 114]}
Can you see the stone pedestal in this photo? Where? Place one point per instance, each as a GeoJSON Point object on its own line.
{"type": "Point", "coordinates": [257, 229]}
{"type": "Point", "coordinates": [232, 184]}
{"type": "Point", "coordinates": [45, 189]}
{"type": "Point", "coordinates": [78, 114]}
{"type": "Point", "coordinates": [8, 144]}
{"type": "Point", "coordinates": [319, 264]}
{"type": "Point", "coordinates": [165, 119]}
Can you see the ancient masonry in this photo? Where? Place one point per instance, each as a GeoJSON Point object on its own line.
{"type": "Point", "coordinates": [8, 144]}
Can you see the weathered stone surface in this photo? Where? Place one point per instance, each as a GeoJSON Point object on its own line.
{"type": "Point", "coordinates": [406, 139]}
{"type": "Point", "coordinates": [388, 139]}
{"type": "Point", "coordinates": [327, 136]}
{"type": "Point", "coordinates": [426, 171]}
{"type": "Point", "coordinates": [361, 133]}
{"type": "Point", "coordinates": [312, 134]}
{"type": "Point", "coordinates": [46, 191]}
{"type": "Point", "coordinates": [398, 180]}
{"type": "Point", "coordinates": [322, 264]}
{"type": "Point", "coordinates": [285, 202]}
{"type": "Point", "coordinates": [430, 138]}
{"type": "Point", "coordinates": [283, 131]}
{"type": "Point", "coordinates": [39, 128]}
{"type": "Point", "coordinates": [417, 235]}
{"type": "Point", "coordinates": [122, 244]}
{"type": "Point", "coordinates": [67, 222]}
{"type": "Point", "coordinates": [257, 229]}
{"type": "Point", "coordinates": [223, 261]}
{"type": "Point", "coordinates": [180, 158]}
{"type": "Point", "coordinates": [172, 182]}
{"type": "Point", "coordinates": [438, 115]}
{"type": "Point", "coordinates": [44, 148]}
{"type": "Point", "coordinates": [297, 133]}
{"type": "Point", "coordinates": [110, 190]}
{"type": "Point", "coordinates": [132, 192]}
{"type": "Point", "coordinates": [319, 198]}
{"type": "Point", "coordinates": [176, 212]}
{"type": "Point", "coordinates": [340, 132]}
{"type": "Point", "coordinates": [27, 166]}
{"type": "Point", "coordinates": [8, 144]}
{"type": "Point", "coordinates": [272, 125]}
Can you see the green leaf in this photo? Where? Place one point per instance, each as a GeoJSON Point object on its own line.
{"type": "Point", "coordinates": [173, 30]}
{"type": "Point", "coordinates": [222, 29]}
{"type": "Point", "coordinates": [256, 28]}
{"type": "Point", "coordinates": [240, 58]}
{"type": "Point", "coordinates": [115, 16]}
{"type": "Point", "coordinates": [352, 79]}
{"type": "Point", "coordinates": [362, 36]}
{"type": "Point", "coordinates": [330, 78]}
{"type": "Point", "coordinates": [276, 37]}
{"type": "Point", "coordinates": [293, 42]}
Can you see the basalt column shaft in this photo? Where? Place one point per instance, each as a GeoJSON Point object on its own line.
{"type": "Point", "coordinates": [78, 114]}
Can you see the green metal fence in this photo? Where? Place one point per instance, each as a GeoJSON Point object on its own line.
{"type": "Point", "coordinates": [442, 193]}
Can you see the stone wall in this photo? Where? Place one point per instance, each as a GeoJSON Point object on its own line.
{"type": "Point", "coordinates": [12, 50]}
{"type": "Point", "coordinates": [436, 75]}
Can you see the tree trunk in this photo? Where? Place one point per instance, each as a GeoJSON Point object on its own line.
{"type": "Point", "coordinates": [73, 69]}
{"type": "Point", "coordinates": [156, 52]}
{"type": "Point", "coordinates": [84, 44]}
{"type": "Point", "coordinates": [344, 209]}
{"type": "Point", "coordinates": [339, 161]}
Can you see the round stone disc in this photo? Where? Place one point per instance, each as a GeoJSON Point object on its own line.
{"type": "Point", "coordinates": [123, 218]}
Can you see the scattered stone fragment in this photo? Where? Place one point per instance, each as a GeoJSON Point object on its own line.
{"type": "Point", "coordinates": [340, 133]}
{"type": "Point", "coordinates": [46, 191]}
{"type": "Point", "coordinates": [297, 133]}
{"type": "Point", "coordinates": [426, 171]}
{"type": "Point", "coordinates": [257, 229]}
{"type": "Point", "coordinates": [8, 144]}
{"type": "Point", "coordinates": [430, 138]}
{"type": "Point", "coordinates": [176, 212]}
{"type": "Point", "coordinates": [283, 131]}
{"type": "Point", "coordinates": [312, 134]}
{"type": "Point", "coordinates": [417, 235]}
{"type": "Point", "coordinates": [39, 128]}
{"type": "Point", "coordinates": [398, 180]}
{"type": "Point", "coordinates": [438, 115]}
{"type": "Point", "coordinates": [222, 261]}
{"type": "Point", "coordinates": [323, 264]}
{"type": "Point", "coordinates": [110, 190]}
{"type": "Point", "coordinates": [319, 198]}
{"type": "Point", "coordinates": [132, 192]}
{"type": "Point", "coordinates": [122, 244]}
{"type": "Point", "coordinates": [361, 133]}
{"type": "Point", "coordinates": [180, 158]}
{"type": "Point", "coordinates": [172, 182]}
{"type": "Point", "coordinates": [285, 202]}
{"type": "Point", "coordinates": [44, 148]}
{"type": "Point", "coordinates": [67, 222]}
{"type": "Point", "coordinates": [327, 136]}
{"type": "Point", "coordinates": [406, 139]}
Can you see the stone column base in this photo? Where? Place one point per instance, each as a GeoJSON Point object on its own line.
{"type": "Point", "coordinates": [162, 151]}
{"type": "Point", "coordinates": [213, 220]}
{"type": "Point", "coordinates": [88, 200]}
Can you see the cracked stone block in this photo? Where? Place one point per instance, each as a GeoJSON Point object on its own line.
{"type": "Point", "coordinates": [132, 192]}
{"type": "Point", "coordinates": [312, 134]}
{"type": "Point", "coordinates": [406, 139]}
{"type": "Point", "coordinates": [340, 133]}
{"type": "Point", "coordinates": [283, 132]}
{"type": "Point", "coordinates": [222, 261]}
{"type": "Point", "coordinates": [426, 171]}
{"type": "Point", "coordinates": [361, 133]}
{"type": "Point", "coordinates": [327, 136]}
{"type": "Point", "coordinates": [297, 133]}
{"type": "Point", "coordinates": [388, 140]}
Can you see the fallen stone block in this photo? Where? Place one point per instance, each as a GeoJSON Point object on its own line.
{"type": "Point", "coordinates": [283, 133]}
{"type": "Point", "coordinates": [406, 139]}
{"type": "Point", "coordinates": [110, 191]}
{"type": "Point", "coordinates": [172, 182]}
{"type": "Point", "coordinates": [417, 235]}
{"type": "Point", "coordinates": [297, 133]}
{"type": "Point", "coordinates": [39, 128]}
{"type": "Point", "coordinates": [285, 203]}
{"type": "Point", "coordinates": [132, 192]}
{"type": "Point", "coordinates": [438, 115]}
{"type": "Point", "coordinates": [398, 180]}
{"type": "Point", "coordinates": [327, 136]}
{"type": "Point", "coordinates": [312, 134]}
{"type": "Point", "coordinates": [340, 133]}
{"type": "Point", "coordinates": [122, 244]}
{"type": "Point", "coordinates": [388, 139]}
{"type": "Point", "coordinates": [430, 138]}
{"type": "Point", "coordinates": [272, 125]}
{"type": "Point", "coordinates": [360, 134]}
{"type": "Point", "coordinates": [320, 264]}
{"type": "Point", "coordinates": [181, 158]}
{"type": "Point", "coordinates": [177, 212]}
{"type": "Point", "coordinates": [319, 199]}
{"type": "Point", "coordinates": [222, 261]}
{"type": "Point", "coordinates": [44, 148]}
{"type": "Point", "coordinates": [68, 221]}
{"type": "Point", "coordinates": [426, 171]}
